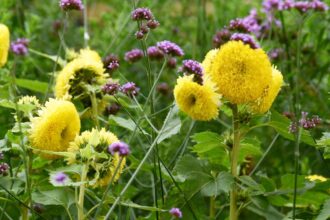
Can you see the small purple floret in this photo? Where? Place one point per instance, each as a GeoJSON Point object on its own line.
{"type": "Point", "coordinates": [130, 89]}
{"type": "Point", "coordinates": [246, 39]}
{"type": "Point", "coordinates": [20, 46]}
{"type": "Point", "coordinates": [176, 212]}
{"type": "Point", "coordinates": [133, 55]}
{"type": "Point", "coordinates": [60, 178]}
{"type": "Point", "coordinates": [119, 147]}
{"type": "Point", "coordinates": [142, 14]}
{"type": "Point", "coordinates": [170, 48]}
{"type": "Point", "coordinates": [67, 5]}
{"type": "Point", "coordinates": [111, 88]}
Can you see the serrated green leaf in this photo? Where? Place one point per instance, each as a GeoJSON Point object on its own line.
{"type": "Point", "coordinates": [33, 85]}
{"type": "Point", "coordinates": [222, 183]}
{"type": "Point", "coordinates": [62, 197]}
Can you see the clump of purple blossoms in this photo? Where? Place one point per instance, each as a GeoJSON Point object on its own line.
{"type": "Point", "coordinates": [221, 37]}
{"type": "Point", "coordinates": [4, 167]}
{"type": "Point", "coordinates": [171, 63]}
{"type": "Point", "coordinates": [248, 24]}
{"type": "Point", "coordinates": [111, 88]}
{"type": "Point", "coordinates": [176, 212]}
{"type": "Point", "coordinates": [142, 14]}
{"type": "Point", "coordinates": [170, 48]}
{"type": "Point", "coordinates": [270, 6]}
{"type": "Point", "coordinates": [152, 24]}
{"type": "Point", "coordinates": [155, 53]}
{"type": "Point", "coordinates": [20, 46]}
{"type": "Point", "coordinates": [304, 6]}
{"type": "Point", "coordinates": [120, 147]}
{"type": "Point", "coordinates": [130, 89]}
{"type": "Point", "coordinates": [133, 55]}
{"type": "Point", "coordinates": [192, 67]}
{"type": "Point", "coordinates": [111, 63]}
{"type": "Point", "coordinates": [305, 122]}
{"type": "Point", "coordinates": [67, 5]}
{"type": "Point", "coordinates": [246, 39]}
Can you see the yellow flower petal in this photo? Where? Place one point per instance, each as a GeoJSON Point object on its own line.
{"type": "Point", "coordinates": [4, 44]}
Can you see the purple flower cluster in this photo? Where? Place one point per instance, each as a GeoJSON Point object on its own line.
{"type": "Point", "coordinates": [221, 37]}
{"type": "Point", "coordinates": [110, 88]}
{"type": "Point", "coordinates": [119, 147]}
{"type": "Point", "coordinates": [248, 24]}
{"type": "Point", "coordinates": [111, 63]}
{"type": "Point", "coordinates": [20, 46]}
{"type": "Point", "coordinates": [59, 178]}
{"type": "Point", "coordinates": [246, 39]}
{"type": "Point", "coordinates": [171, 63]}
{"type": "Point", "coordinates": [133, 55]}
{"type": "Point", "coordinates": [163, 88]}
{"type": "Point", "coordinates": [176, 212]}
{"type": "Point", "coordinates": [302, 6]}
{"type": "Point", "coordinates": [130, 89]}
{"type": "Point", "coordinates": [192, 67]}
{"type": "Point", "coordinates": [67, 5]}
{"type": "Point", "coordinates": [170, 48]}
{"type": "Point", "coordinates": [141, 14]}
{"type": "Point", "coordinates": [305, 122]}
{"type": "Point", "coordinates": [275, 53]}
{"type": "Point", "coordinates": [4, 167]}
{"type": "Point", "coordinates": [155, 53]}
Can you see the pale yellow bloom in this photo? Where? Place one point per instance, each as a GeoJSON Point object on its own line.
{"type": "Point", "coordinates": [4, 44]}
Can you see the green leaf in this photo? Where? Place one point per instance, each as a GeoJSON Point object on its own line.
{"type": "Point", "coordinates": [7, 104]}
{"type": "Point", "coordinates": [249, 147]}
{"type": "Point", "coordinates": [222, 183]}
{"type": "Point", "coordinates": [62, 197]}
{"type": "Point", "coordinates": [325, 212]}
{"type": "Point", "coordinates": [210, 146]}
{"type": "Point", "coordinates": [281, 124]}
{"type": "Point", "coordinates": [32, 85]}
{"type": "Point", "coordinates": [324, 140]}
{"type": "Point", "coordinates": [173, 125]}
{"type": "Point", "coordinates": [124, 123]}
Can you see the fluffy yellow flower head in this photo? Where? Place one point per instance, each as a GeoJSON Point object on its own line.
{"type": "Point", "coordinates": [208, 60]}
{"type": "Point", "coordinates": [89, 54]}
{"type": "Point", "coordinates": [32, 100]}
{"type": "Point", "coordinates": [264, 103]}
{"type": "Point", "coordinates": [80, 70]}
{"type": "Point", "coordinates": [240, 72]}
{"type": "Point", "coordinates": [200, 102]}
{"type": "Point", "coordinates": [4, 44]}
{"type": "Point", "coordinates": [316, 178]}
{"type": "Point", "coordinates": [55, 127]}
{"type": "Point", "coordinates": [104, 167]}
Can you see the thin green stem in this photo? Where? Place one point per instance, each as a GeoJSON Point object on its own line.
{"type": "Point", "coordinates": [82, 192]}
{"type": "Point", "coordinates": [212, 207]}
{"type": "Point", "coordinates": [86, 34]}
{"type": "Point", "coordinates": [94, 110]}
{"type": "Point", "coordinates": [233, 215]}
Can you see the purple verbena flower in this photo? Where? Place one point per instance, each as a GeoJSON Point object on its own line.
{"type": "Point", "coordinates": [59, 179]}
{"type": "Point", "coordinates": [142, 14]}
{"type": "Point", "coordinates": [248, 24]}
{"type": "Point", "coordinates": [20, 46]}
{"type": "Point", "coordinates": [4, 167]}
{"type": "Point", "coordinates": [318, 5]}
{"type": "Point", "coordinates": [192, 67]}
{"type": "Point", "coordinates": [275, 53]}
{"type": "Point", "coordinates": [246, 39]}
{"type": "Point", "coordinates": [171, 63]}
{"type": "Point", "coordinates": [176, 212]}
{"type": "Point", "coordinates": [305, 122]}
{"type": "Point", "coordinates": [221, 37]}
{"type": "Point", "coordinates": [119, 147]}
{"type": "Point", "coordinates": [111, 88]}
{"type": "Point", "coordinates": [152, 24]}
{"type": "Point", "coordinates": [302, 6]}
{"type": "Point", "coordinates": [133, 55]}
{"type": "Point", "coordinates": [155, 53]}
{"type": "Point", "coordinates": [111, 63]}
{"type": "Point", "coordinates": [129, 89]}
{"type": "Point", "coordinates": [170, 48]}
{"type": "Point", "coordinates": [67, 5]}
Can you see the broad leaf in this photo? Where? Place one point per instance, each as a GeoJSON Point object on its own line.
{"type": "Point", "coordinates": [32, 85]}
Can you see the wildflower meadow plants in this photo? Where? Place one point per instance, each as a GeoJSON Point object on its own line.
{"type": "Point", "coordinates": [156, 110]}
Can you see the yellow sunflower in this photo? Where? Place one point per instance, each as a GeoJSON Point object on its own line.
{"type": "Point", "coordinates": [208, 60]}
{"type": "Point", "coordinates": [264, 103]}
{"type": "Point", "coordinates": [31, 100]}
{"type": "Point", "coordinates": [84, 69]}
{"type": "Point", "coordinates": [240, 72]}
{"type": "Point", "coordinates": [55, 127]}
{"type": "Point", "coordinates": [89, 54]}
{"type": "Point", "coordinates": [200, 102]}
{"type": "Point", "coordinates": [100, 168]}
{"type": "Point", "coordinates": [4, 44]}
